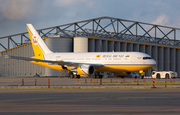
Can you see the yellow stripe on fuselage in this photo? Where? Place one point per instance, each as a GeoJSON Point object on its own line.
{"type": "Point", "coordinates": [124, 68]}
{"type": "Point", "coordinates": [106, 68]}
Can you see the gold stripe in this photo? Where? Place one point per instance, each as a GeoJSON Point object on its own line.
{"type": "Point", "coordinates": [107, 68]}
{"type": "Point", "coordinates": [124, 68]}
{"type": "Point", "coordinates": [80, 37]}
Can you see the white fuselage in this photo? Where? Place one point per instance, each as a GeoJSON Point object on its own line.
{"type": "Point", "coordinates": [117, 61]}
{"type": "Point", "coordinates": [102, 58]}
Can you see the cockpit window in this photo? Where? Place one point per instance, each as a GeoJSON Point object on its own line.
{"type": "Point", "coordinates": [146, 58]}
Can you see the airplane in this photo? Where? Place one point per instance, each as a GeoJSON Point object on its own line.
{"type": "Point", "coordinates": [86, 63]}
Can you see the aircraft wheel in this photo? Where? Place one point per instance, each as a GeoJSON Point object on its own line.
{"type": "Point", "coordinates": [142, 76]}
{"type": "Point", "coordinates": [78, 76]}
{"type": "Point", "coordinates": [100, 76]}
{"type": "Point", "coordinates": [94, 76]}
{"type": "Point", "coordinates": [97, 76]}
{"type": "Point", "coordinates": [122, 77]}
{"type": "Point", "coordinates": [71, 76]}
{"type": "Point", "coordinates": [75, 76]}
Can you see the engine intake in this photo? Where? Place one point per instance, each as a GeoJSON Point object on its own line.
{"type": "Point", "coordinates": [85, 70]}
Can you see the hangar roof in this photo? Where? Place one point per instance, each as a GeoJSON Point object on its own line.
{"type": "Point", "coordinates": [107, 28]}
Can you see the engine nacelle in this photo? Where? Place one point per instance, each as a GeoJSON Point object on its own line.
{"type": "Point", "coordinates": [85, 70]}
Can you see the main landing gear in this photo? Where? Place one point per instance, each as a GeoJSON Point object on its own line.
{"type": "Point", "coordinates": [97, 76]}
{"type": "Point", "coordinates": [74, 76]}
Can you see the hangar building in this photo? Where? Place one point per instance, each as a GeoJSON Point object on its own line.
{"type": "Point", "coordinates": [104, 34]}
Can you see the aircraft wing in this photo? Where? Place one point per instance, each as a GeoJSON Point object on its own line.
{"type": "Point", "coordinates": [96, 66]}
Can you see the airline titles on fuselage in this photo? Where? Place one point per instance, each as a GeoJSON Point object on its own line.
{"type": "Point", "coordinates": [98, 57]}
{"type": "Point", "coordinates": [107, 56]}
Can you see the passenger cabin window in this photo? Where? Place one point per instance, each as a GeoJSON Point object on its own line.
{"type": "Point", "coordinates": [144, 58]}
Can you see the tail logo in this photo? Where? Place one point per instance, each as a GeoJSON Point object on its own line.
{"type": "Point", "coordinates": [35, 40]}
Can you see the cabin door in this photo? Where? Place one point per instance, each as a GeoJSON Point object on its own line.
{"type": "Point", "coordinates": [133, 59]}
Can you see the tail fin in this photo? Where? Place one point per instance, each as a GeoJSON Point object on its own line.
{"type": "Point", "coordinates": [37, 42]}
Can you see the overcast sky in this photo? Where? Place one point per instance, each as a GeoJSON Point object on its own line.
{"type": "Point", "coordinates": [14, 14]}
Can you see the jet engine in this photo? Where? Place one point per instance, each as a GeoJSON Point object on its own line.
{"type": "Point", "coordinates": [85, 70]}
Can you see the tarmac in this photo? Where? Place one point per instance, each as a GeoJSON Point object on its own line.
{"type": "Point", "coordinates": [89, 101]}
{"type": "Point", "coordinates": [78, 97]}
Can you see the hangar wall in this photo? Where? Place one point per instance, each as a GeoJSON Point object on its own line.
{"type": "Point", "coordinates": [20, 68]}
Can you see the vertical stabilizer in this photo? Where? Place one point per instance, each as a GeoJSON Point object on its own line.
{"type": "Point", "coordinates": [37, 42]}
